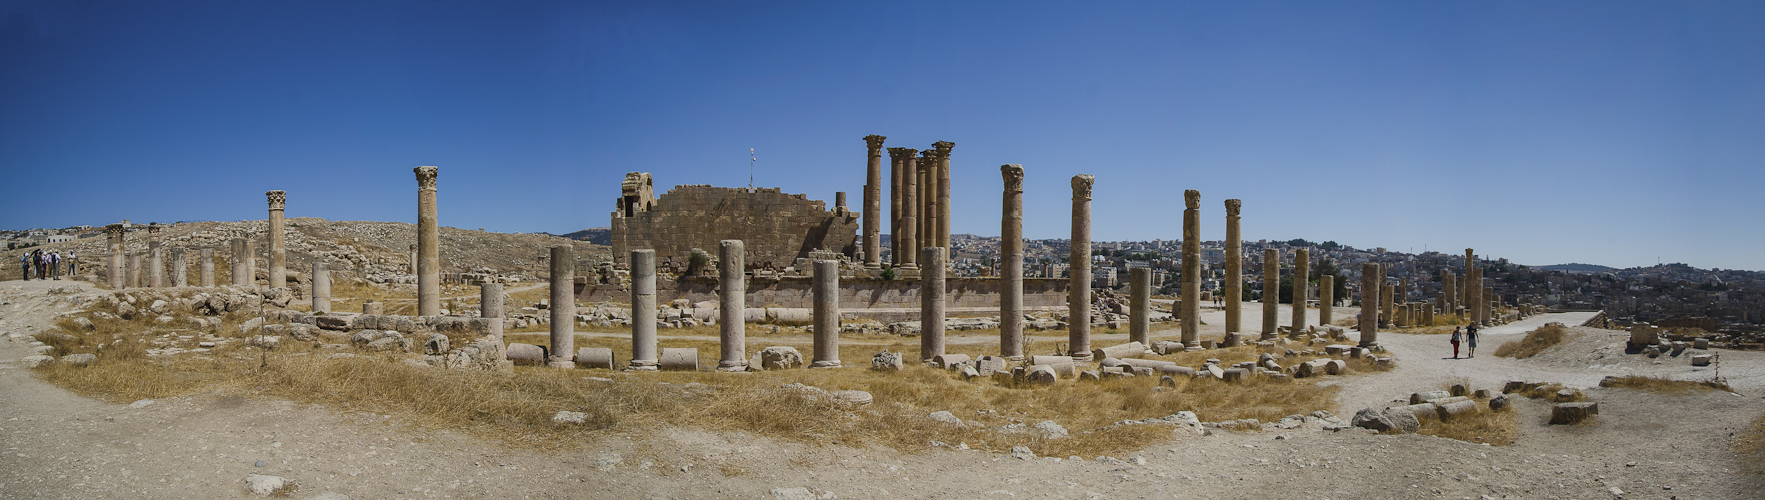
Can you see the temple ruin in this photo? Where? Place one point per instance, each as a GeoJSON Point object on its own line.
{"type": "Point", "coordinates": [778, 228]}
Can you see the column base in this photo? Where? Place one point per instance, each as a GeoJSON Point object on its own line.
{"type": "Point", "coordinates": [1084, 356]}
{"type": "Point", "coordinates": [825, 364]}
{"type": "Point", "coordinates": [732, 366]}
{"type": "Point", "coordinates": [645, 365]}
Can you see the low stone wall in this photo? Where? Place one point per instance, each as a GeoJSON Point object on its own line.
{"type": "Point", "coordinates": [855, 293]}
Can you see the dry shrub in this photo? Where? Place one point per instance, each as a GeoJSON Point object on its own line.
{"type": "Point", "coordinates": [1750, 446]}
{"type": "Point", "coordinates": [1535, 342]}
{"type": "Point", "coordinates": [1664, 386]}
{"type": "Point", "coordinates": [1499, 428]}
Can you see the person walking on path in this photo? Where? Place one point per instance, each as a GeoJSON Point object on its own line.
{"type": "Point", "coordinates": [73, 264]}
{"type": "Point", "coordinates": [1456, 337]}
{"type": "Point", "coordinates": [1471, 340]}
{"type": "Point", "coordinates": [24, 266]}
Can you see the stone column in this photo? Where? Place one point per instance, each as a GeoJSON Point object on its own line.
{"type": "Point", "coordinates": [563, 307]}
{"type": "Point", "coordinates": [1191, 315]}
{"type": "Point", "coordinates": [1403, 290]}
{"type": "Point", "coordinates": [1326, 299]}
{"type": "Point", "coordinates": [827, 314]}
{"type": "Point", "coordinates": [1448, 291]}
{"type": "Point", "coordinates": [206, 255]}
{"type": "Point", "coordinates": [250, 263]}
{"type": "Point", "coordinates": [1271, 293]}
{"type": "Point", "coordinates": [1011, 265]}
{"type": "Point", "coordinates": [1388, 306]}
{"type": "Point", "coordinates": [943, 229]}
{"type": "Point", "coordinates": [241, 263]}
{"type": "Point", "coordinates": [1078, 288]}
{"type": "Point", "coordinates": [1234, 289]}
{"type": "Point", "coordinates": [1468, 295]}
{"type": "Point", "coordinates": [155, 266]}
{"type": "Point", "coordinates": [114, 233]}
{"type": "Point", "coordinates": [413, 266]}
{"type": "Point", "coordinates": [1491, 302]}
{"type": "Point", "coordinates": [1370, 287]}
{"type": "Point", "coordinates": [928, 198]}
{"type": "Point", "coordinates": [644, 355]}
{"type": "Point", "coordinates": [909, 230]}
{"type": "Point", "coordinates": [135, 271]}
{"type": "Point", "coordinates": [839, 201]}
{"type": "Point", "coordinates": [278, 242]}
{"type": "Point", "coordinates": [931, 302]}
{"type": "Point", "coordinates": [180, 277]}
{"type": "Point", "coordinates": [897, 183]}
{"type": "Point", "coordinates": [732, 302]}
{"type": "Point", "coordinates": [1140, 305]}
{"type": "Point", "coordinates": [1301, 285]}
{"type": "Point", "coordinates": [873, 203]}
{"type": "Point", "coordinates": [490, 306]}
{"type": "Point", "coordinates": [321, 280]}
{"type": "Point", "coordinates": [429, 248]}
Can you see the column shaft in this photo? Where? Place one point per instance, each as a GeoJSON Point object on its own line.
{"type": "Point", "coordinates": [1301, 286]}
{"type": "Point", "coordinates": [909, 232]}
{"type": "Point", "coordinates": [1234, 289]}
{"type": "Point", "coordinates": [278, 242]}
{"type": "Point", "coordinates": [1011, 265]}
{"type": "Point", "coordinates": [873, 203]}
{"type": "Point", "coordinates": [1326, 299]}
{"type": "Point", "coordinates": [1191, 315]}
{"type": "Point", "coordinates": [180, 276]}
{"type": "Point", "coordinates": [827, 314]}
{"type": "Point", "coordinates": [240, 264]}
{"type": "Point", "coordinates": [1271, 293]}
{"type": "Point", "coordinates": [429, 245]}
{"type": "Point", "coordinates": [155, 266]}
{"type": "Point", "coordinates": [1078, 292]}
{"type": "Point", "coordinates": [732, 300]}
{"type": "Point", "coordinates": [206, 256]}
{"type": "Point", "coordinates": [931, 302]}
{"type": "Point", "coordinates": [115, 234]}
{"type": "Point", "coordinates": [490, 306]}
{"type": "Point", "coordinates": [943, 230]}
{"type": "Point", "coordinates": [644, 355]}
{"type": "Point", "coordinates": [321, 281]}
{"type": "Point", "coordinates": [563, 307]}
{"type": "Point", "coordinates": [896, 183]}
{"type": "Point", "coordinates": [1140, 305]}
{"type": "Point", "coordinates": [1369, 305]}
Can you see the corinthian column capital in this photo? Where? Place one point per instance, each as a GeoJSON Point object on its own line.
{"type": "Point", "coordinates": [426, 177]}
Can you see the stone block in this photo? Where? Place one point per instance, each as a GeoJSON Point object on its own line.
{"type": "Point", "coordinates": [679, 359]}
{"type": "Point", "coordinates": [596, 357]}
{"type": "Point", "coordinates": [1702, 359]}
{"type": "Point", "coordinates": [1570, 413]}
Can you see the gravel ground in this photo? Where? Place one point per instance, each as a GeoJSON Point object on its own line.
{"type": "Point", "coordinates": [57, 445]}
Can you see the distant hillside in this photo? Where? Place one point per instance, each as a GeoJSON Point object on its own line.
{"type": "Point", "coordinates": [1579, 268]}
{"type": "Point", "coordinates": [596, 235]}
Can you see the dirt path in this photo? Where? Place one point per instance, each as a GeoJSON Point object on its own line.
{"type": "Point", "coordinates": [57, 445]}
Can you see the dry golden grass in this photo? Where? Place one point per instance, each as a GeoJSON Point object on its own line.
{"type": "Point", "coordinates": [1749, 446]}
{"type": "Point", "coordinates": [1664, 386]}
{"type": "Point", "coordinates": [1535, 342]}
{"type": "Point", "coordinates": [517, 407]}
{"type": "Point", "coordinates": [1549, 391]}
{"type": "Point", "coordinates": [1498, 428]}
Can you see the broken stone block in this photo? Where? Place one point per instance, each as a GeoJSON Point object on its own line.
{"type": "Point", "coordinates": [1513, 386]}
{"type": "Point", "coordinates": [883, 361]}
{"type": "Point", "coordinates": [1455, 409]}
{"type": "Point", "coordinates": [1702, 359]}
{"type": "Point", "coordinates": [1498, 403]}
{"type": "Point", "coordinates": [595, 357]}
{"type": "Point", "coordinates": [785, 357]}
{"type": "Point", "coordinates": [1569, 413]}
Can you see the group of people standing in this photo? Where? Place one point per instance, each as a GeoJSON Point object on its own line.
{"type": "Point", "coordinates": [1467, 335]}
{"type": "Point", "coordinates": [37, 264]}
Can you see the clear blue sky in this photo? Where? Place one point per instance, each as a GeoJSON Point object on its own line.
{"type": "Point", "coordinates": [1606, 132]}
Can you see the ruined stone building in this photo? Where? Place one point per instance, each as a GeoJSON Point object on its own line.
{"type": "Point", "coordinates": [778, 228]}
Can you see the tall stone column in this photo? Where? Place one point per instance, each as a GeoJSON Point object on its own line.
{"type": "Point", "coordinates": [644, 355]}
{"type": "Point", "coordinates": [1388, 307]}
{"type": "Point", "coordinates": [931, 302]}
{"type": "Point", "coordinates": [943, 229]}
{"type": "Point", "coordinates": [1011, 265]}
{"type": "Point", "coordinates": [114, 233]}
{"type": "Point", "coordinates": [135, 271]}
{"type": "Point", "coordinates": [180, 275]}
{"type": "Point", "coordinates": [429, 246]}
{"type": "Point", "coordinates": [1301, 285]}
{"type": "Point", "coordinates": [278, 240]}
{"type": "Point", "coordinates": [206, 255]}
{"type": "Point", "coordinates": [1078, 288]}
{"type": "Point", "coordinates": [1370, 287]}
{"type": "Point", "coordinates": [1234, 289]}
{"type": "Point", "coordinates": [413, 266]}
{"type": "Point", "coordinates": [321, 280]}
{"type": "Point", "coordinates": [1403, 290]}
{"type": "Point", "coordinates": [563, 307]}
{"type": "Point", "coordinates": [909, 231]}
{"type": "Point", "coordinates": [241, 262]}
{"type": "Point", "coordinates": [1490, 304]}
{"type": "Point", "coordinates": [827, 314]}
{"type": "Point", "coordinates": [1448, 291]}
{"type": "Point", "coordinates": [1326, 299]}
{"type": "Point", "coordinates": [1191, 316]}
{"type": "Point", "coordinates": [250, 263]}
{"type": "Point", "coordinates": [155, 266]}
{"type": "Point", "coordinates": [1140, 305]}
{"type": "Point", "coordinates": [1271, 293]}
{"type": "Point", "coordinates": [1467, 292]}
{"type": "Point", "coordinates": [873, 203]}
{"type": "Point", "coordinates": [928, 198]}
{"type": "Point", "coordinates": [732, 302]}
{"type": "Point", "coordinates": [490, 306]}
{"type": "Point", "coordinates": [897, 183]}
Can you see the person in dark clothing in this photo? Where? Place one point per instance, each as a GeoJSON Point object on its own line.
{"type": "Point", "coordinates": [1471, 340]}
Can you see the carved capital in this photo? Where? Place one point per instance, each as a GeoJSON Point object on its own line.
{"type": "Point", "coordinates": [278, 199]}
{"type": "Point", "coordinates": [1232, 207]}
{"type": "Point", "coordinates": [944, 148]}
{"type": "Point", "coordinates": [1081, 186]}
{"type": "Point", "coordinates": [114, 230]}
{"type": "Point", "coordinates": [901, 154]}
{"type": "Point", "coordinates": [426, 177]}
{"type": "Point", "coordinates": [153, 228]}
{"type": "Point", "coordinates": [1013, 177]}
{"type": "Point", "coordinates": [875, 142]}
{"type": "Point", "coordinates": [1192, 199]}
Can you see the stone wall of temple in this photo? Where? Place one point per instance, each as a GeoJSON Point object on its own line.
{"type": "Point", "coordinates": [777, 228]}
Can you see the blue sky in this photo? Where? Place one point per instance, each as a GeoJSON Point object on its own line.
{"type": "Point", "coordinates": [1615, 133]}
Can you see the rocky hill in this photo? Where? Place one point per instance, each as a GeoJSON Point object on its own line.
{"type": "Point", "coordinates": [366, 247]}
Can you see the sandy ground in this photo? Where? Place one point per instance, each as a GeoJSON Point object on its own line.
{"type": "Point", "coordinates": [57, 445]}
